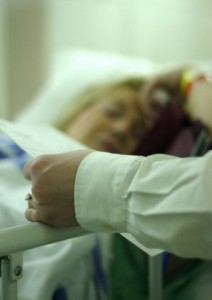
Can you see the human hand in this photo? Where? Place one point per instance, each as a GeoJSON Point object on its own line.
{"type": "Point", "coordinates": [198, 105]}
{"type": "Point", "coordinates": [159, 90]}
{"type": "Point", "coordinates": [53, 179]}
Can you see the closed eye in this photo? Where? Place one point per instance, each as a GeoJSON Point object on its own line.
{"type": "Point", "coordinates": [113, 109]}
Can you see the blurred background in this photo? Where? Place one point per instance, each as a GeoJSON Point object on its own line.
{"type": "Point", "coordinates": [33, 32]}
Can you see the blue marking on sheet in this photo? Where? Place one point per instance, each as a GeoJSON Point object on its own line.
{"type": "Point", "coordinates": [100, 277]}
{"type": "Point", "coordinates": [60, 294]}
{"type": "Point", "coordinates": [165, 261]}
{"type": "Point", "coordinates": [10, 150]}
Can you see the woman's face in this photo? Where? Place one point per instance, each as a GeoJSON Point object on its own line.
{"type": "Point", "coordinates": [113, 124]}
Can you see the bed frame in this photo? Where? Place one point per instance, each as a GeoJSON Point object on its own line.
{"type": "Point", "coordinates": [35, 235]}
{"type": "Point", "coordinates": [11, 250]}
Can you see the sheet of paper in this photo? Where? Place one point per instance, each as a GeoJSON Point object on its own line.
{"type": "Point", "coordinates": [43, 139]}
{"type": "Point", "coordinates": [39, 139]}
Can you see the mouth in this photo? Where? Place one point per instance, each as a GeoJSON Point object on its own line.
{"type": "Point", "coordinates": [108, 146]}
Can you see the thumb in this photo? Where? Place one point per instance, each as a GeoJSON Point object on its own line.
{"type": "Point", "coordinates": [32, 215]}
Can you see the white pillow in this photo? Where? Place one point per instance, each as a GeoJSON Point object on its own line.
{"type": "Point", "coordinates": [72, 72]}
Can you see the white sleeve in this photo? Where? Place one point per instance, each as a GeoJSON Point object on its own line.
{"type": "Point", "coordinates": [163, 201]}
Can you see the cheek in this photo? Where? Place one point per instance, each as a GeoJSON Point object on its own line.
{"type": "Point", "coordinates": [84, 127]}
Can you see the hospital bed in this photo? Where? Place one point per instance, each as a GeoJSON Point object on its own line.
{"type": "Point", "coordinates": [72, 71]}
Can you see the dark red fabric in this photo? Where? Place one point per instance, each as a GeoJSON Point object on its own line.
{"type": "Point", "coordinates": [173, 133]}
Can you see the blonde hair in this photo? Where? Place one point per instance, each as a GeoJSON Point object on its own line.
{"type": "Point", "coordinates": [93, 94]}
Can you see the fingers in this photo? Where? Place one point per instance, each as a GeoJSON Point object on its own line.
{"type": "Point", "coordinates": [35, 166]}
{"type": "Point", "coordinates": [32, 215]}
{"type": "Point", "coordinates": [27, 170]}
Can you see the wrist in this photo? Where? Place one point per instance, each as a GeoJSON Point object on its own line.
{"type": "Point", "coordinates": [190, 78]}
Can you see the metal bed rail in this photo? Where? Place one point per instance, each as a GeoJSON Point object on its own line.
{"type": "Point", "coordinates": [15, 240]}
{"type": "Point", "coordinates": [12, 246]}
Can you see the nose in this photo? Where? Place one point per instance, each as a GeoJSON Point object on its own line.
{"type": "Point", "coordinates": [122, 129]}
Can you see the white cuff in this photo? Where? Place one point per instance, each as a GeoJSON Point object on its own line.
{"type": "Point", "coordinates": [99, 190]}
